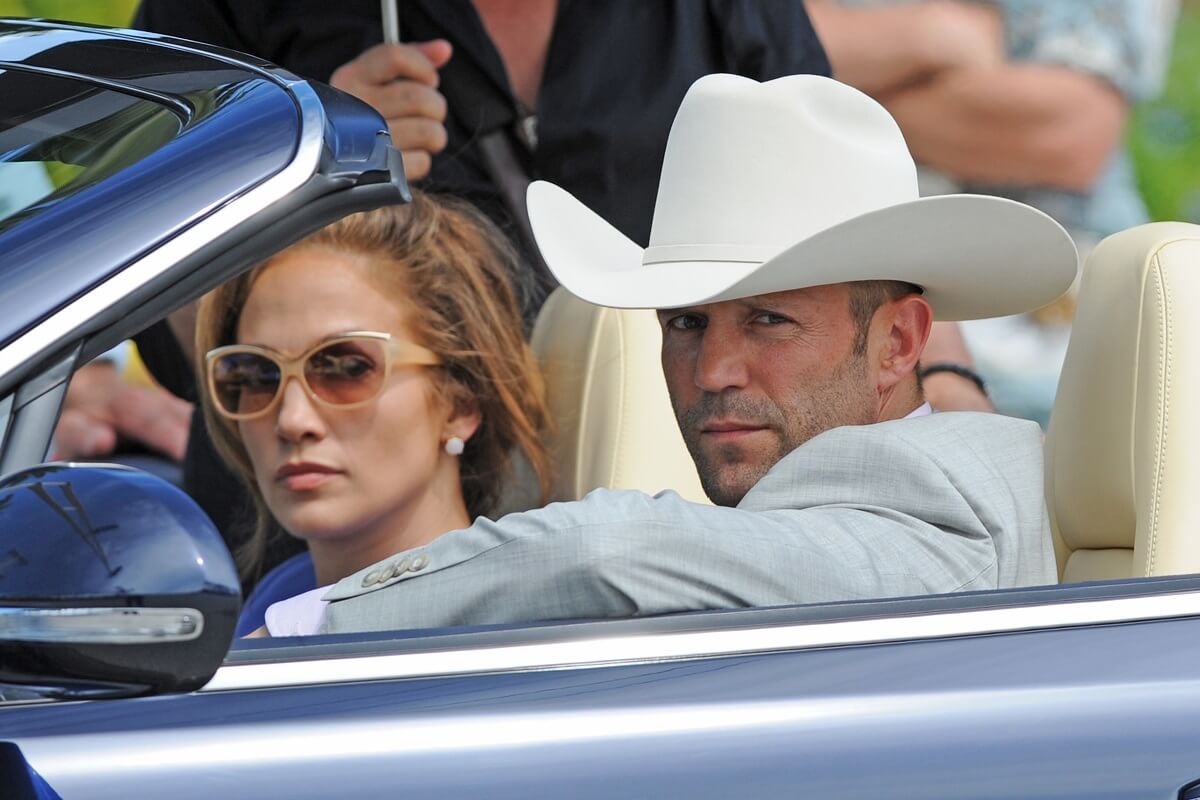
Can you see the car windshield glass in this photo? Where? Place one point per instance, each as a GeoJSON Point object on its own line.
{"type": "Point", "coordinates": [59, 136]}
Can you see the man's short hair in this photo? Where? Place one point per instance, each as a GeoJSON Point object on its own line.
{"type": "Point", "coordinates": [865, 299]}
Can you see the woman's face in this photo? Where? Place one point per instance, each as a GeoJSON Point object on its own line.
{"type": "Point", "coordinates": [332, 473]}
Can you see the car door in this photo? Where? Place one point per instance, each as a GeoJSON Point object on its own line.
{"type": "Point", "coordinates": [1065, 692]}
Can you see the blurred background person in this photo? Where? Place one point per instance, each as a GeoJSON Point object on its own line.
{"type": "Point", "coordinates": [1026, 99]}
{"type": "Point", "coordinates": [115, 412]}
{"type": "Point", "coordinates": [386, 414]}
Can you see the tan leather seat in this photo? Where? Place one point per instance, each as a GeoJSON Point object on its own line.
{"type": "Point", "coordinates": [1123, 447]}
{"type": "Point", "coordinates": [608, 399]}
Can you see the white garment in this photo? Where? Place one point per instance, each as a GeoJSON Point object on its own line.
{"type": "Point", "coordinates": [301, 615]}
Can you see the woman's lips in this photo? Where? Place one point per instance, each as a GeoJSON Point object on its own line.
{"type": "Point", "coordinates": [304, 476]}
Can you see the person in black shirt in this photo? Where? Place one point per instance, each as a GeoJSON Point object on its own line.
{"type": "Point", "coordinates": [602, 78]}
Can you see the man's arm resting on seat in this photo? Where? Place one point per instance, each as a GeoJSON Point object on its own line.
{"type": "Point", "coordinates": [858, 512]}
{"type": "Point", "coordinates": [624, 554]}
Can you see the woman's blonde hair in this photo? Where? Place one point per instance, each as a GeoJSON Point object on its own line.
{"type": "Point", "coordinates": [453, 270]}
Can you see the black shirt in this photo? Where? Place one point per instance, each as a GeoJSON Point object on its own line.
{"type": "Point", "coordinates": [615, 73]}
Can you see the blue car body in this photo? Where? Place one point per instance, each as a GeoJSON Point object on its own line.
{"type": "Point", "coordinates": [1085, 691]}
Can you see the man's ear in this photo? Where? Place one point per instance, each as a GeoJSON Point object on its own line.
{"type": "Point", "coordinates": [902, 327]}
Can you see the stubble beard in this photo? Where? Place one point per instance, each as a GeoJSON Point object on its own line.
{"type": "Point", "coordinates": [727, 472]}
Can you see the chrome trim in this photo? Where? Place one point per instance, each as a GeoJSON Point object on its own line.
{"type": "Point", "coordinates": [100, 625]}
{"type": "Point", "coordinates": [6, 412]}
{"type": "Point", "coordinates": [62, 324]}
{"type": "Point", "coordinates": [613, 650]}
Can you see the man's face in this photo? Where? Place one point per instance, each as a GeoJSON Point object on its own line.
{"type": "Point", "coordinates": [753, 379]}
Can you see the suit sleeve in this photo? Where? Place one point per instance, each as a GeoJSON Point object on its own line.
{"type": "Point", "coordinates": [621, 554]}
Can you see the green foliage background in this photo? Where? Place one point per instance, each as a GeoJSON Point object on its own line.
{"type": "Point", "coordinates": [1164, 135]}
{"type": "Point", "coordinates": [97, 12]}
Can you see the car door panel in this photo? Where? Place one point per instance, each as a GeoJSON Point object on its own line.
{"type": "Point", "coordinates": [1096, 712]}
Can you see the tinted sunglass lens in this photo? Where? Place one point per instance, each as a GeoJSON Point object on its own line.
{"type": "Point", "coordinates": [348, 371]}
{"type": "Point", "coordinates": [245, 382]}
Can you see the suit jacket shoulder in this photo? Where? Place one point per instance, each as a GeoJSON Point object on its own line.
{"type": "Point", "coordinates": [942, 468]}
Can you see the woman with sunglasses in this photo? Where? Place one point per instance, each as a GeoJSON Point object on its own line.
{"type": "Point", "coordinates": [370, 385]}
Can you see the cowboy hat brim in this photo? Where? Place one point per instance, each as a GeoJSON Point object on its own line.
{"type": "Point", "coordinates": [974, 255]}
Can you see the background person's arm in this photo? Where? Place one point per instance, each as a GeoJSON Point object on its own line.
{"type": "Point", "coordinates": [947, 391]}
{"type": "Point", "coordinates": [1030, 106]}
{"type": "Point", "coordinates": [879, 49]}
{"type": "Point", "coordinates": [1019, 124]}
{"type": "Point", "coordinates": [101, 408]}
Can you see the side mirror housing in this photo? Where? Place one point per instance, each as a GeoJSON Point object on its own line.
{"type": "Point", "coordinates": [113, 583]}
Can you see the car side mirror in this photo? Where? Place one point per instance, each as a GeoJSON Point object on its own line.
{"type": "Point", "coordinates": [113, 583]}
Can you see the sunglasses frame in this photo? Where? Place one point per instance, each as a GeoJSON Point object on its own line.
{"type": "Point", "coordinates": [396, 353]}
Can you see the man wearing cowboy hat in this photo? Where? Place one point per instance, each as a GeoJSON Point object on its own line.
{"type": "Point", "coordinates": [796, 274]}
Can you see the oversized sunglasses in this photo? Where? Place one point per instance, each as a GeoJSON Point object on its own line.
{"type": "Point", "coordinates": [246, 381]}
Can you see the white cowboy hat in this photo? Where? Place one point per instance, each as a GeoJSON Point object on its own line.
{"type": "Point", "coordinates": [796, 182]}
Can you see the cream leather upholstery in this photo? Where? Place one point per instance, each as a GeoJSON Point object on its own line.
{"type": "Point", "coordinates": [1123, 447]}
{"type": "Point", "coordinates": [608, 400]}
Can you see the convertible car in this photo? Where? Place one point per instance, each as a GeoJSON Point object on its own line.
{"type": "Point", "coordinates": [138, 172]}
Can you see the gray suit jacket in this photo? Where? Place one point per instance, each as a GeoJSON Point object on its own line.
{"type": "Point", "coordinates": [932, 504]}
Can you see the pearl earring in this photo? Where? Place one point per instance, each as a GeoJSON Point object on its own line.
{"type": "Point", "coordinates": [454, 446]}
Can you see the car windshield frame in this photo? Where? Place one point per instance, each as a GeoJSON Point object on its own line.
{"type": "Point", "coordinates": [169, 190]}
{"type": "Point", "coordinates": [89, 134]}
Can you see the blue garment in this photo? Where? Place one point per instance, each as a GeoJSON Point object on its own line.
{"type": "Point", "coordinates": [292, 577]}
{"type": "Point", "coordinates": [19, 780]}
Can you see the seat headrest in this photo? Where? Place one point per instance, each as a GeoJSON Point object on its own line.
{"type": "Point", "coordinates": [609, 403]}
{"type": "Point", "coordinates": [1123, 446]}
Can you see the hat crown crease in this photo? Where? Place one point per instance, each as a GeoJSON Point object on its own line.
{"type": "Point", "coordinates": [763, 166]}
